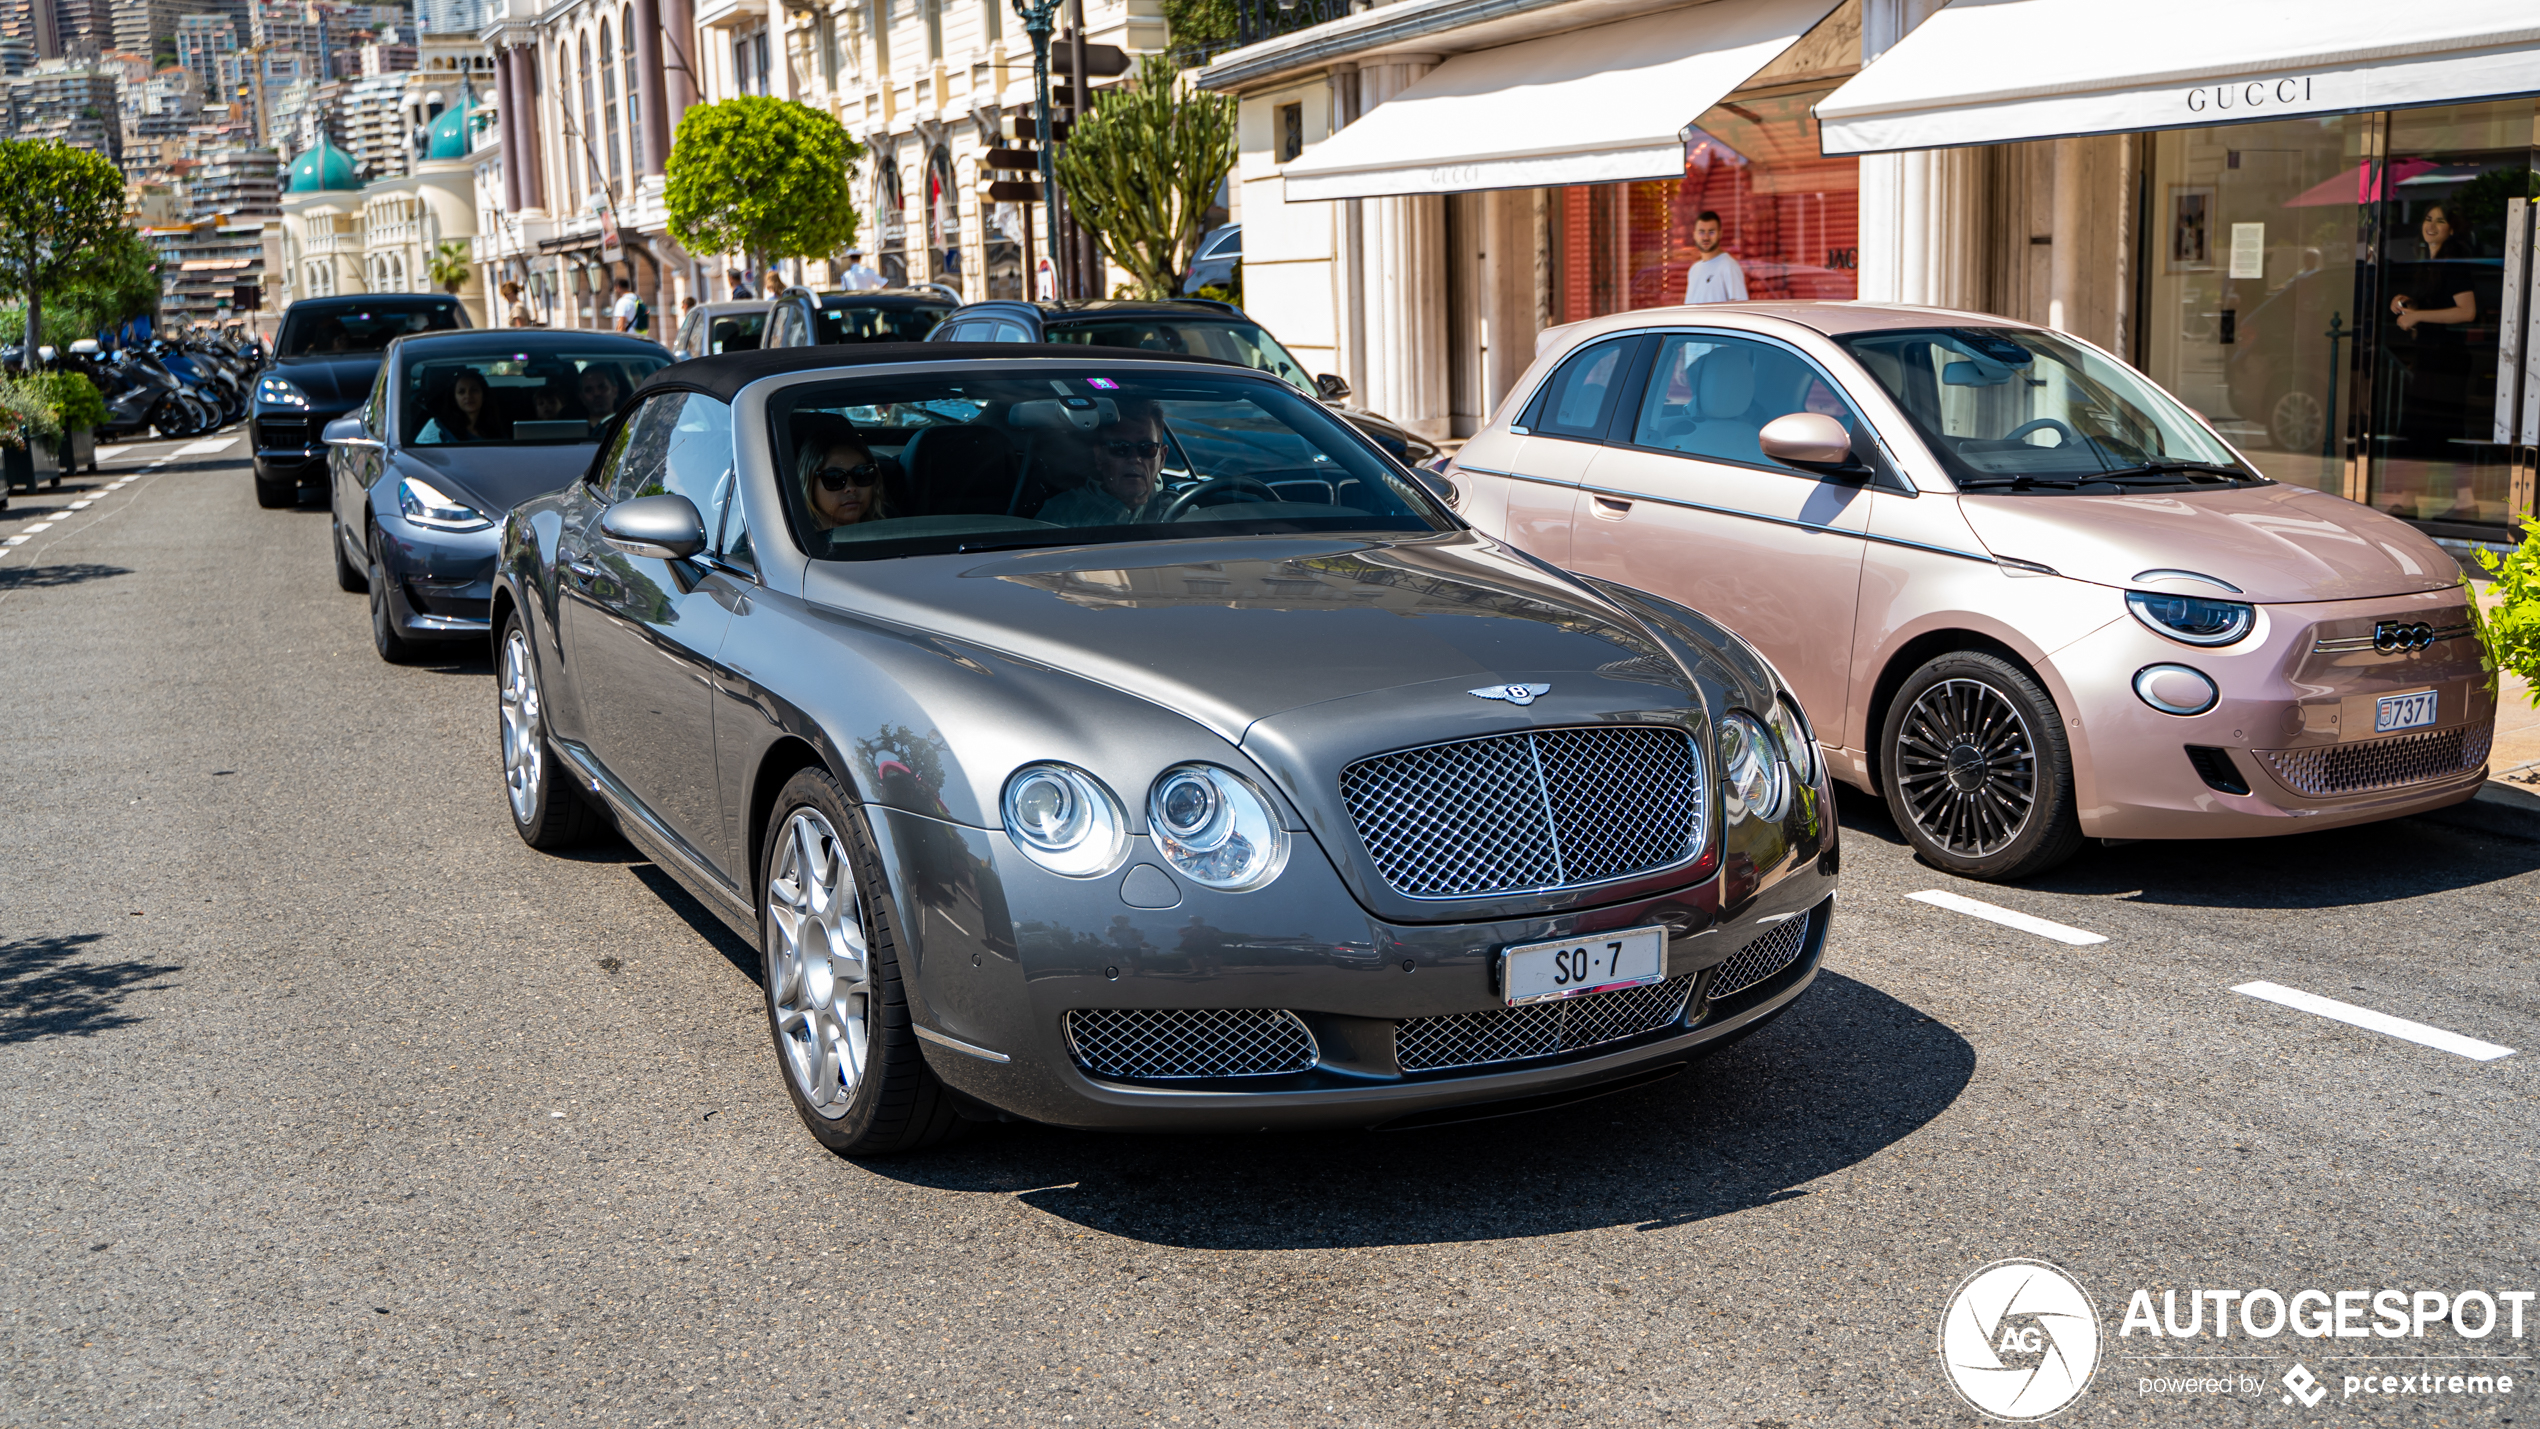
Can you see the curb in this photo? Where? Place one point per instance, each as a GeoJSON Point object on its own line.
{"type": "Point", "coordinates": [2497, 808]}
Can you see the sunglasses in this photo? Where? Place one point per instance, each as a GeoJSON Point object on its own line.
{"type": "Point", "coordinates": [1136, 449]}
{"type": "Point", "coordinates": [839, 478]}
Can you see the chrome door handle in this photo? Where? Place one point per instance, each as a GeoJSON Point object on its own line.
{"type": "Point", "coordinates": [584, 569]}
{"type": "Point", "coordinates": [1612, 506]}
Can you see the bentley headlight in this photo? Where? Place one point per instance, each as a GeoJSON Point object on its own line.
{"type": "Point", "coordinates": [280, 392]}
{"type": "Point", "coordinates": [1754, 782]}
{"type": "Point", "coordinates": [1065, 820]}
{"type": "Point", "coordinates": [2192, 619]}
{"type": "Point", "coordinates": [422, 503]}
{"type": "Point", "coordinates": [1798, 745]}
{"type": "Point", "coordinates": [1216, 828]}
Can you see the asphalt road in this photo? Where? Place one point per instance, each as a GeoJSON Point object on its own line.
{"type": "Point", "coordinates": [328, 1102]}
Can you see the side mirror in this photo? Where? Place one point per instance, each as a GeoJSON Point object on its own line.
{"type": "Point", "coordinates": [665, 527]}
{"type": "Point", "coordinates": [1809, 439]}
{"type": "Point", "coordinates": [347, 432]}
{"type": "Point", "coordinates": [1333, 388]}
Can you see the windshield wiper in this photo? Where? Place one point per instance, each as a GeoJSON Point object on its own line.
{"type": "Point", "coordinates": [2018, 483]}
{"type": "Point", "coordinates": [2178, 468]}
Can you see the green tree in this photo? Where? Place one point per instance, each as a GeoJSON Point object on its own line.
{"type": "Point", "coordinates": [762, 177]}
{"type": "Point", "coordinates": [112, 281]}
{"type": "Point", "coordinates": [449, 266]}
{"type": "Point", "coordinates": [2510, 632]}
{"type": "Point", "coordinates": [57, 204]}
{"type": "Point", "coordinates": [1143, 167]}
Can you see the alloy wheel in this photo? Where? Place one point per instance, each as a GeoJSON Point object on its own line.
{"type": "Point", "coordinates": [524, 728]}
{"type": "Point", "coordinates": [819, 968]}
{"type": "Point", "coordinates": [2298, 421]}
{"type": "Point", "coordinates": [1967, 767]}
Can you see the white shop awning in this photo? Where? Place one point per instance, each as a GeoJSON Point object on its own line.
{"type": "Point", "coordinates": [1589, 106]}
{"type": "Point", "coordinates": [1996, 71]}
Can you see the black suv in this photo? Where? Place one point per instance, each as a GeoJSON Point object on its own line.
{"type": "Point", "coordinates": [1200, 326]}
{"type": "Point", "coordinates": [799, 317]}
{"type": "Point", "coordinates": [324, 362]}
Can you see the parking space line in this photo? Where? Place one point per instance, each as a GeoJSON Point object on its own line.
{"type": "Point", "coordinates": [206, 447]}
{"type": "Point", "coordinates": [110, 453]}
{"type": "Point", "coordinates": [2008, 918]}
{"type": "Point", "coordinates": [2372, 1021]}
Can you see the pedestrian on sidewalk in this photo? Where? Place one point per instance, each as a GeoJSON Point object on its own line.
{"type": "Point", "coordinates": [1716, 277]}
{"type": "Point", "coordinates": [859, 276]}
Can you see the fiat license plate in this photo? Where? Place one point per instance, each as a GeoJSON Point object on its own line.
{"type": "Point", "coordinates": [2412, 711]}
{"type": "Point", "coordinates": [1600, 962]}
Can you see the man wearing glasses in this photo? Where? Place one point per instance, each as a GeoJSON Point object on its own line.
{"type": "Point", "coordinates": [1128, 462]}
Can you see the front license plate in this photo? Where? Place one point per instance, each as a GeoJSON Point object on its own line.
{"type": "Point", "coordinates": [1540, 972]}
{"type": "Point", "coordinates": [2403, 711]}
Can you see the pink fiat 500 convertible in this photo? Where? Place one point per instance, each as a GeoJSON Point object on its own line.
{"type": "Point", "coordinates": [2024, 594]}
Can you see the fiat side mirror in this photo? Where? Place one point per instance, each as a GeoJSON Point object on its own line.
{"type": "Point", "coordinates": [1333, 387]}
{"type": "Point", "coordinates": [665, 527]}
{"type": "Point", "coordinates": [1809, 439]}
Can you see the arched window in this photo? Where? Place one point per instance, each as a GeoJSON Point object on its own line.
{"type": "Point", "coordinates": [590, 136]}
{"type": "Point", "coordinates": [635, 156]}
{"type": "Point", "coordinates": [608, 107]}
{"type": "Point", "coordinates": [564, 103]}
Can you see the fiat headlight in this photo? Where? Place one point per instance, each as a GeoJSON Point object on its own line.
{"type": "Point", "coordinates": [422, 503]}
{"type": "Point", "coordinates": [1216, 828]}
{"type": "Point", "coordinates": [1065, 820]}
{"type": "Point", "coordinates": [2192, 619]}
{"type": "Point", "coordinates": [1798, 745]}
{"type": "Point", "coordinates": [1753, 779]}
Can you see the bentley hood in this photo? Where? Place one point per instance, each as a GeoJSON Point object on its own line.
{"type": "Point", "coordinates": [2276, 543]}
{"type": "Point", "coordinates": [1232, 632]}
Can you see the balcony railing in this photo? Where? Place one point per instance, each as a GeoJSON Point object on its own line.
{"type": "Point", "coordinates": [1258, 20]}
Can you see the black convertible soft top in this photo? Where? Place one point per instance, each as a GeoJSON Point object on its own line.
{"type": "Point", "coordinates": [725, 374]}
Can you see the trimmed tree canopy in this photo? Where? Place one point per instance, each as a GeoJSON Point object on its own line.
{"type": "Point", "coordinates": [1143, 167]}
{"type": "Point", "coordinates": [763, 177]}
{"type": "Point", "coordinates": [56, 204]}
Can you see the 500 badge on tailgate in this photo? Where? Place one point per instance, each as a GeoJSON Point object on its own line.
{"type": "Point", "coordinates": [1540, 972]}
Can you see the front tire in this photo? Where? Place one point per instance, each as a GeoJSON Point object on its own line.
{"type": "Point", "coordinates": [547, 811]}
{"type": "Point", "coordinates": [393, 647]}
{"type": "Point", "coordinates": [1977, 771]}
{"type": "Point", "coordinates": [835, 1004]}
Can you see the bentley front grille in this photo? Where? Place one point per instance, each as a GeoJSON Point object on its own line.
{"type": "Point", "coordinates": [1178, 1044]}
{"type": "Point", "coordinates": [1518, 813]}
{"type": "Point", "coordinates": [1538, 1029]}
{"type": "Point", "coordinates": [2381, 763]}
{"type": "Point", "coordinates": [1764, 957]}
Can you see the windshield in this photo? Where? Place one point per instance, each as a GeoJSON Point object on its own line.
{"type": "Point", "coordinates": [1229, 341]}
{"type": "Point", "coordinates": [366, 329]}
{"type": "Point", "coordinates": [949, 460]}
{"type": "Point", "coordinates": [871, 322]}
{"type": "Point", "coordinates": [2015, 409]}
{"type": "Point", "coordinates": [517, 397]}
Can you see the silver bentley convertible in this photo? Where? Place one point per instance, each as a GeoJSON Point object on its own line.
{"type": "Point", "coordinates": [1123, 741]}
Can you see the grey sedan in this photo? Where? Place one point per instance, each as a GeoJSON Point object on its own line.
{"type": "Point", "coordinates": [1124, 741]}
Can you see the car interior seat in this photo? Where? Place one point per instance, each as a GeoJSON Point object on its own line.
{"type": "Point", "coordinates": [960, 471]}
{"type": "Point", "coordinates": [1724, 393]}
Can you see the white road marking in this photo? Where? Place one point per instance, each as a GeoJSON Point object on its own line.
{"type": "Point", "coordinates": [80, 505]}
{"type": "Point", "coordinates": [12, 540]}
{"type": "Point", "coordinates": [206, 447]}
{"type": "Point", "coordinates": [2006, 917]}
{"type": "Point", "coordinates": [2372, 1021]}
{"type": "Point", "coordinates": [38, 526]}
{"type": "Point", "coordinates": [110, 453]}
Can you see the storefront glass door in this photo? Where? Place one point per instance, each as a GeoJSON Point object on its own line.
{"type": "Point", "coordinates": [2433, 449]}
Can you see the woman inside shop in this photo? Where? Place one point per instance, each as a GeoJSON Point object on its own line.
{"type": "Point", "coordinates": [2433, 308]}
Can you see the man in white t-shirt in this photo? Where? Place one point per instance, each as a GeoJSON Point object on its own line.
{"type": "Point", "coordinates": [858, 277]}
{"type": "Point", "coordinates": [1716, 277]}
{"type": "Point", "coordinates": [624, 309]}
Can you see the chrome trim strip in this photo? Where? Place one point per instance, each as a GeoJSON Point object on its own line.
{"type": "Point", "coordinates": [956, 1044]}
{"type": "Point", "coordinates": [1795, 525]}
{"type": "Point", "coordinates": [2347, 645]}
{"type": "Point", "coordinates": [623, 800]}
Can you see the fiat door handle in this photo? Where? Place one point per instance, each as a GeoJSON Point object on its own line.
{"type": "Point", "coordinates": [1612, 506]}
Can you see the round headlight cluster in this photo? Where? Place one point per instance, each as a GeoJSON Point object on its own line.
{"type": "Point", "coordinates": [1216, 828]}
{"type": "Point", "coordinates": [1065, 820]}
{"type": "Point", "coordinates": [1754, 779]}
{"type": "Point", "coordinates": [2192, 619]}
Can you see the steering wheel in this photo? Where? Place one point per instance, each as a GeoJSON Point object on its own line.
{"type": "Point", "coordinates": [1191, 498]}
{"type": "Point", "coordinates": [2068, 437]}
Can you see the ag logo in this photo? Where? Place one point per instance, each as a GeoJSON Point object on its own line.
{"type": "Point", "coordinates": [2019, 1340]}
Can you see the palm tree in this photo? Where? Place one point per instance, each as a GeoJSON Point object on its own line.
{"type": "Point", "coordinates": [449, 266]}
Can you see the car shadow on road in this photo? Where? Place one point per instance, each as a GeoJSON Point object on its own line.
{"type": "Point", "coordinates": [2334, 868]}
{"type": "Point", "coordinates": [735, 949]}
{"type": "Point", "coordinates": [46, 577]}
{"type": "Point", "coordinates": [1847, 1072]}
{"type": "Point", "coordinates": [49, 989]}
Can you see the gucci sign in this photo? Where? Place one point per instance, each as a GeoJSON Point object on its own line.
{"type": "Point", "coordinates": [2250, 94]}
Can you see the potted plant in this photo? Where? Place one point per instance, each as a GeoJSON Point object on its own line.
{"type": "Point", "coordinates": [78, 410]}
{"type": "Point", "coordinates": [29, 432]}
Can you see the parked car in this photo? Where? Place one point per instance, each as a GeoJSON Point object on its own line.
{"type": "Point", "coordinates": [1060, 771]}
{"type": "Point", "coordinates": [325, 359]}
{"type": "Point", "coordinates": [464, 426]}
{"type": "Point", "coordinates": [1220, 253]}
{"type": "Point", "coordinates": [1198, 326]}
{"type": "Point", "coordinates": [710, 328]}
{"type": "Point", "coordinates": [2025, 594]}
{"type": "Point", "coordinates": [799, 317]}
